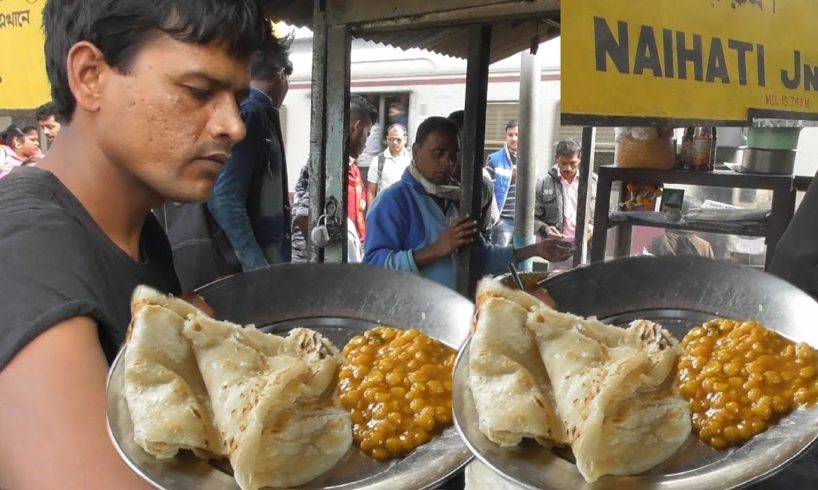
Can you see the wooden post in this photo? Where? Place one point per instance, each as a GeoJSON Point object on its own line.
{"type": "Point", "coordinates": [474, 135]}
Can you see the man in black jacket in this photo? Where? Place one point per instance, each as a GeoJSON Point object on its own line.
{"type": "Point", "coordinates": [556, 195]}
{"type": "Point", "coordinates": [250, 201]}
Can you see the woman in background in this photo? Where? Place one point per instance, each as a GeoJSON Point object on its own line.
{"type": "Point", "coordinates": [21, 146]}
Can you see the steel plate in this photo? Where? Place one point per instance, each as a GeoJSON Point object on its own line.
{"type": "Point", "coordinates": [339, 301]}
{"type": "Point", "coordinates": [677, 293]}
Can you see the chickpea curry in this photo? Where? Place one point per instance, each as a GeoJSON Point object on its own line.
{"type": "Point", "coordinates": [398, 387]}
{"type": "Point", "coordinates": [740, 378]}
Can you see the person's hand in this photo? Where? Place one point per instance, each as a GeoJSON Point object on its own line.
{"type": "Point", "coordinates": [555, 250]}
{"type": "Point", "coordinates": [455, 235]}
{"type": "Point", "coordinates": [198, 302]}
{"type": "Point", "coordinates": [552, 232]}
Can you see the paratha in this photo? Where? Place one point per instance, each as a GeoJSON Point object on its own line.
{"type": "Point", "coordinates": [562, 379]}
{"type": "Point", "coordinates": [273, 401]}
{"type": "Point", "coordinates": [510, 387]}
{"type": "Point", "coordinates": [613, 389]}
{"type": "Point", "coordinates": [165, 393]}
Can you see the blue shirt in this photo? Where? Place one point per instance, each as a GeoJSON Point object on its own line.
{"type": "Point", "coordinates": [404, 219]}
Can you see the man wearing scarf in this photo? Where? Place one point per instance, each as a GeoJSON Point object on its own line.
{"type": "Point", "coordinates": [415, 225]}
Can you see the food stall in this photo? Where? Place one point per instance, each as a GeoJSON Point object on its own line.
{"type": "Point", "coordinates": [707, 66]}
{"type": "Point", "coordinates": [547, 391]}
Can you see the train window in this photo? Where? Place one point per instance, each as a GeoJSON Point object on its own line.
{"type": "Point", "coordinates": [393, 108]}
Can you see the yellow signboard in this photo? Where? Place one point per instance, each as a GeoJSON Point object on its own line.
{"type": "Point", "coordinates": [23, 82]}
{"type": "Point", "coordinates": [714, 60]}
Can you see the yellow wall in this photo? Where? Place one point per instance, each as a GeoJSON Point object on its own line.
{"type": "Point", "coordinates": [595, 85]}
{"type": "Point", "coordinates": [23, 82]}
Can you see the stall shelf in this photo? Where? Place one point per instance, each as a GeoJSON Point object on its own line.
{"type": "Point", "coordinates": [783, 205]}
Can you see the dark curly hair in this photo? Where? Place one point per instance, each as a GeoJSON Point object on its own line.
{"type": "Point", "coordinates": [120, 27]}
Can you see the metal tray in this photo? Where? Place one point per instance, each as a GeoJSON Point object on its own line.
{"type": "Point", "coordinates": [339, 301]}
{"type": "Point", "coordinates": [678, 293]}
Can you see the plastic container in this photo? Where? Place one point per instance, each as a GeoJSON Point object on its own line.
{"type": "Point", "coordinates": [773, 138]}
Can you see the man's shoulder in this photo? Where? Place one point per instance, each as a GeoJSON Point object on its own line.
{"type": "Point", "coordinates": [251, 111]}
{"type": "Point", "coordinates": [499, 153]}
{"type": "Point", "coordinates": [33, 203]}
{"type": "Point", "coordinates": [395, 197]}
{"type": "Point", "coordinates": [28, 188]}
{"type": "Point", "coordinates": [498, 158]}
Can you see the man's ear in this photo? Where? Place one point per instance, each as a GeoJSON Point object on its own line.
{"type": "Point", "coordinates": [87, 72]}
{"type": "Point", "coordinates": [415, 152]}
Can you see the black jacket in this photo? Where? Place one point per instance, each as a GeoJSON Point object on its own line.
{"type": "Point", "coordinates": [549, 207]}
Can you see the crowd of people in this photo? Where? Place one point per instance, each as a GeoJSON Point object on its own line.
{"type": "Point", "coordinates": [248, 222]}
{"type": "Point", "coordinates": [20, 141]}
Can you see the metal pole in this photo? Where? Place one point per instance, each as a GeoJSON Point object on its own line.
{"type": "Point", "coordinates": [474, 135]}
{"type": "Point", "coordinates": [337, 110]}
{"type": "Point", "coordinates": [527, 153]}
{"type": "Point", "coordinates": [318, 129]}
{"type": "Point", "coordinates": [586, 168]}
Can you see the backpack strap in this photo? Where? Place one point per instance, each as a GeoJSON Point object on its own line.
{"type": "Point", "coordinates": [381, 161]}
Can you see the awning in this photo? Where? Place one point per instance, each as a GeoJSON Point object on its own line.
{"type": "Point", "coordinates": [440, 27]}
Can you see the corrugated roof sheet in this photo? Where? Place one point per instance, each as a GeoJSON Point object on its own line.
{"type": "Point", "coordinates": [508, 36]}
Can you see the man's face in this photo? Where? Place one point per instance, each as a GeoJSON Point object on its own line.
{"type": "Point", "coordinates": [395, 139]}
{"type": "Point", "coordinates": [172, 120]}
{"type": "Point", "coordinates": [568, 165]}
{"type": "Point", "coordinates": [435, 159]}
{"type": "Point", "coordinates": [50, 127]}
{"type": "Point", "coordinates": [511, 139]}
{"type": "Point", "coordinates": [358, 134]}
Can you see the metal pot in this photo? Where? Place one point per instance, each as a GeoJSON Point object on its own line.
{"type": "Point", "coordinates": [754, 160]}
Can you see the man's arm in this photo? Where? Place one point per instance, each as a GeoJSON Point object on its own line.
{"type": "Point", "coordinates": [372, 179]}
{"type": "Point", "coordinates": [229, 200]}
{"type": "Point", "coordinates": [540, 226]}
{"type": "Point", "coordinates": [301, 204]}
{"type": "Point", "coordinates": [53, 410]}
{"type": "Point", "coordinates": [371, 192]}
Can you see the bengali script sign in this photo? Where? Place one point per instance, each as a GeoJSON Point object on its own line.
{"type": "Point", "coordinates": [23, 82]}
{"type": "Point", "coordinates": [713, 60]}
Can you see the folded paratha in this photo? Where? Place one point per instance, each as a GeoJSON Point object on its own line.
{"type": "Point", "coordinates": [507, 378]}
{"type": "Point", "coordinates": [273, 401]}
{"type": "Point", "coordinates": [165, 393]}
{"type": "Point", "coordinates": [613, 391]}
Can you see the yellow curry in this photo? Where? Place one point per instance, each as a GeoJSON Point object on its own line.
{"type": "Point", "coordinates": [398, 387]}
{"type": "Point", "coordinates": [741, 377]}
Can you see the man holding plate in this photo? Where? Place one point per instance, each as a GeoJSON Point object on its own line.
{"type": "Point", "coordinates": [149, 93]}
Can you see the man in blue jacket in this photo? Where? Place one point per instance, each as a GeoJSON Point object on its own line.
{"type": "Point", "coordinates": [415, 225]}
{"type": "Point", "coordinates": [502, 167]}
{"type": "Point", "coordinates": [250, 201]}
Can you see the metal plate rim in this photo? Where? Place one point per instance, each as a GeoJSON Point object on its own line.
{"type": "Point", "coordinates": [782, 305]}
{"type": "Point", "coordinates": [388, 297]}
